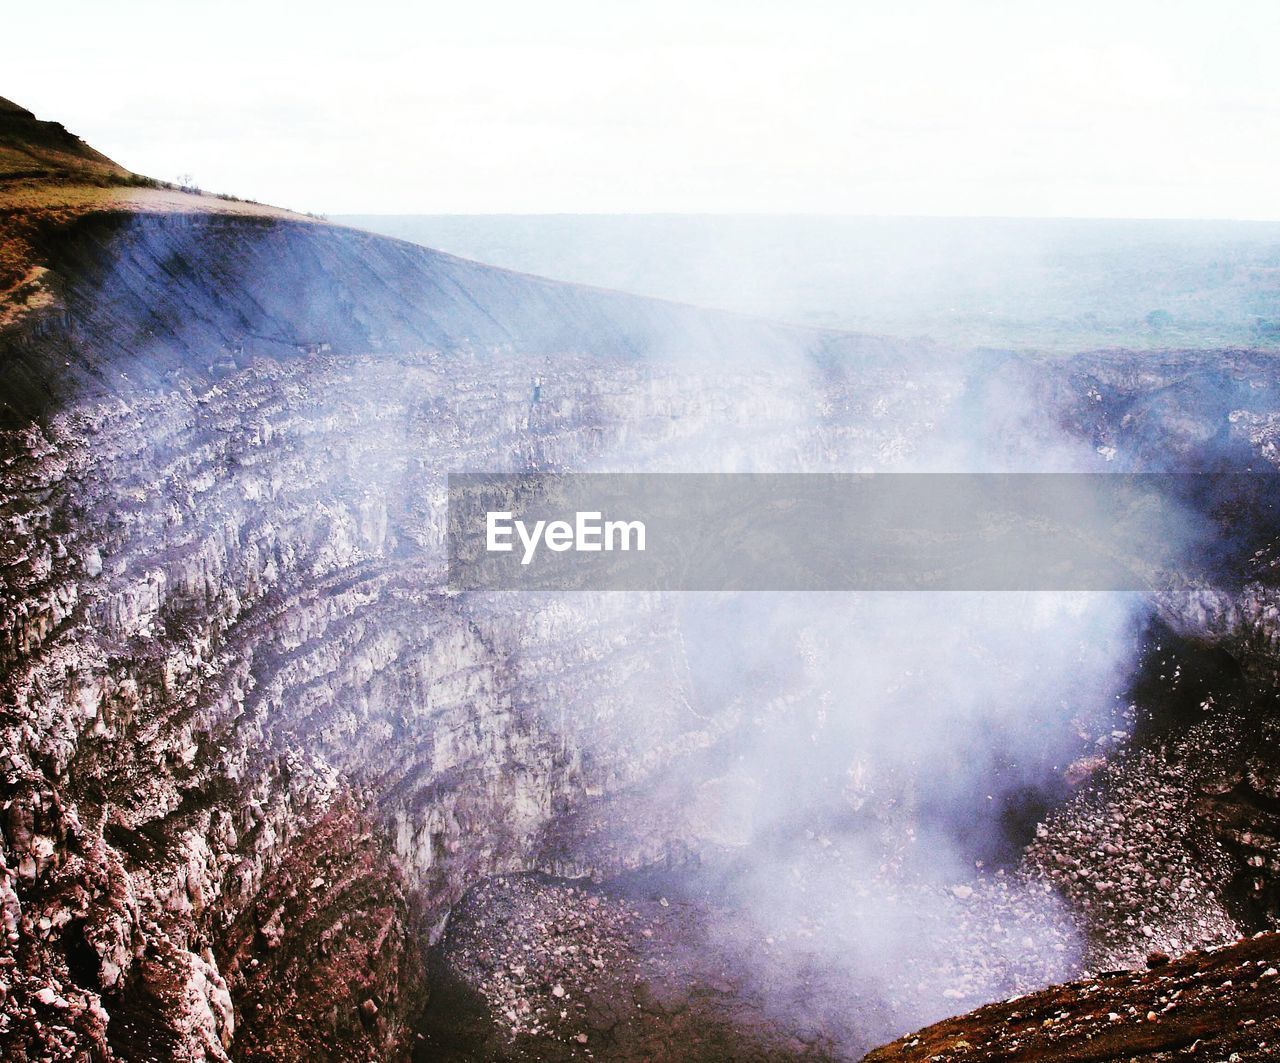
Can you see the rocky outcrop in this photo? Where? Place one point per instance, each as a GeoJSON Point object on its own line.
{"type": "Point", "coordinates": [226, 636]}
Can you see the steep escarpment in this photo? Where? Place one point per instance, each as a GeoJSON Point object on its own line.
{"type": "Point", "coordinates": [226, 635]}
{"type": "Point", "coordinates": [148, 299]}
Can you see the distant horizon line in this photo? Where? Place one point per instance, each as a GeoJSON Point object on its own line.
{"type": "Point", "coordinates": [811, 215]}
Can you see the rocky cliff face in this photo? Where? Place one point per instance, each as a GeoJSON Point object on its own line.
{"type": "Point", "coordinates": [252, 750]}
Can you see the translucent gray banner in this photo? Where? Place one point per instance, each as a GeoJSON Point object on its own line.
{"type": "Point", "coordinates": [807, 532]}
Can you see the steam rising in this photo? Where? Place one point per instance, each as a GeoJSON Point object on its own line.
{"type": "Point", "coordinates": [889, 753]}
{"type": "Point", "coordinates": [858, 772]}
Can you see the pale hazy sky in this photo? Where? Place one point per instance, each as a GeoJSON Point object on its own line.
{"type": "Point", "coordinates": [1125, 108]}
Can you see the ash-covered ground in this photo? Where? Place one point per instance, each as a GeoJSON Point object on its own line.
{"type": "Point", "coordinates": [684, 964]}
{"type": "Point", "coordinates": [674, 966]}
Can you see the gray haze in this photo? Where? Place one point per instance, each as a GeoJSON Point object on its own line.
{"type": "Point", "coordinates": [1053, 284]}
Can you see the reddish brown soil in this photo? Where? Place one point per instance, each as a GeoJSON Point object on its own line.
{"type": "Point", "coordinates": [1219, 1005]}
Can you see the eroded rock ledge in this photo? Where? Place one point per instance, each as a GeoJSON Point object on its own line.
{"type": "Point", "coordinates": [252, 750]}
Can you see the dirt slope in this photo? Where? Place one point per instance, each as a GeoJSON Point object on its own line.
{"type": "Point", "coordinates": [1217, 1005]}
